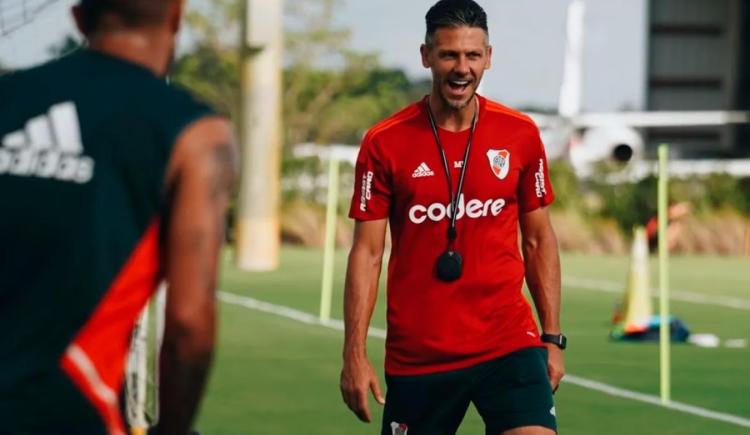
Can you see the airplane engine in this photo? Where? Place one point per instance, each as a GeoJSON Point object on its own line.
{"type": "Point", "coordinates": [615, 146]}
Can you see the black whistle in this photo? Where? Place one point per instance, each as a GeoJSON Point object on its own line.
{"type": "Point", "coordinates": [449, 266]}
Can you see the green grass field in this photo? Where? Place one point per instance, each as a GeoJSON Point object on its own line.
{"type": "Point", "coordinates": [273, 375]}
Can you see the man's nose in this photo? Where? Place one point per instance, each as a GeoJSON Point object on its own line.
{"type": "Point", "coordinates": [462, 66]}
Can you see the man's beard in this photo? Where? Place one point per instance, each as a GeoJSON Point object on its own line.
{"type": "Point", "coordinates": [454, 104]}
{"type": "Point", "coordinates": [457, 105]}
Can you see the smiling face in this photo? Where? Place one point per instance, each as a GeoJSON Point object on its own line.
{"type": "Point", "coordinates": [458, 57]}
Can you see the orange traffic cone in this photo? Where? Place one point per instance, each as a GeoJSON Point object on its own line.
{"type": "Point", "coordinates": [637, 305]}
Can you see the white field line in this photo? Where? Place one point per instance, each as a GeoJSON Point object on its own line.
{"type": "Point", "coordinates": [677, 295]}
{"type": "Point", "coordinates": [653, 400]}
{"type": "Point", "coordinates": [300, 316]}
{"type": "Point", "coordinates": [290, 313]}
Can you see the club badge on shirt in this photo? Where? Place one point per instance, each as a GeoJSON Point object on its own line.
{"type": "Point", "coordinates": [399, 428]}
{"type": "Point", "coordinates": [499, 162]}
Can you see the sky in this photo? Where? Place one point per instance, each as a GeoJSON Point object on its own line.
{"type": "Point", "coordinates": [528, 38]}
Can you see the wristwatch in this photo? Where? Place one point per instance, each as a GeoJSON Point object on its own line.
{"type": "Point", "coordinates": [558, 340]}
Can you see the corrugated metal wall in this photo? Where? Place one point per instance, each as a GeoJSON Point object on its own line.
{"type": "Point", "coordinates": [743, 133]}
{"type": "Point", "coordinates": [696, 63]}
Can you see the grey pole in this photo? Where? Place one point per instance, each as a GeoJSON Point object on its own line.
{"type": "Point", "coordinates": [258, 229]}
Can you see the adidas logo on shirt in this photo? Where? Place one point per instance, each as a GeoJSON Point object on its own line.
{"type": "Point", "coordinates": [422, 171]}
{"type": "Point", "coordinates": [49, 146]}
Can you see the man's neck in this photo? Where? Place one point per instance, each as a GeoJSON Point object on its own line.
{"type": "Point", "coordinates": [449, 118]}
{"type": "Point", "coordinates": [149, 51]}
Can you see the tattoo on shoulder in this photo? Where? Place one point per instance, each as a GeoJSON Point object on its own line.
{"type": "Point", "coordinates": [224, 169]}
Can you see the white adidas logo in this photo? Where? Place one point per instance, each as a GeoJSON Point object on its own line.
{"type": "Point", "coordinates": [49, 146]}
{"type": "Point", "coordinates": [422, 171]}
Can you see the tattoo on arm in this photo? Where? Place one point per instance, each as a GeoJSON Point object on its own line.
{"type": "Point", "coordinates": [223, 171]}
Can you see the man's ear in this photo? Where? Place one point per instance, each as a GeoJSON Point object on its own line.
{"type": "Point", "coordinates": [489, 57]}
{"type": "Point", "coordinates": [174, 17]}
{"type": "Point", "coordinates": [424, 50]}
{"type": "Point", "coordinates": [79, 19]}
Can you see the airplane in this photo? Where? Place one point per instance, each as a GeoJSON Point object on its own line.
{"type": "Point", "coordinates": [588, 139]}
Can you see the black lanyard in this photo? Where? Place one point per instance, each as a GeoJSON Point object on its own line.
{"type": "Point", "coordinates": [454, 199]}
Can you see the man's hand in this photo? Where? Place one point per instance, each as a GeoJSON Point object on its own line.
{"type": "Point", "coordinates": [357, 379]}
{"type": "Point", "coordinates": [360, 294]}
{"type": "Point", "coordinates": [555, 365]}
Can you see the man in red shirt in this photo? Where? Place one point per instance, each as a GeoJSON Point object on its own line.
{"type": "Point", "coordinates": [459, 329]}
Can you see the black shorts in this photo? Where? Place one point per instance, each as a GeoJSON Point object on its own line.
{"type": "Point", "coordinates": [509, 392]}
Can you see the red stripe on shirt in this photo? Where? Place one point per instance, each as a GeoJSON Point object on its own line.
{"type": "Point", "coordinates": [397, 118]}
{"type": "Point", "coordinates": [95, 360]}
{"type": "Point", "coordinates": [499, 108]}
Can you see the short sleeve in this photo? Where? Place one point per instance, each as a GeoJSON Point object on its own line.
{"type": "Point", "coordinates": [534, 186]}
{"type": "Point", "coordinates": [372, 187]}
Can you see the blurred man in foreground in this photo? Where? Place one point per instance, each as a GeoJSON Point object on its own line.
{"type": "Point", "coordinates": [110, 180]}
{"type": "Point", "coordinates": [455, 174]}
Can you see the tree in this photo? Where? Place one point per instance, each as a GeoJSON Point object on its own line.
{"type": "Point", "coordinates": [211, 68]}
{"type": "Point", "coordinates": [331, 93]}
{"type": "Point", "coordinates": [211, 73]}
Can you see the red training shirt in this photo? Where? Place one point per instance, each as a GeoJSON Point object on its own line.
{"type": "Point", "coordinates": [435, 326]}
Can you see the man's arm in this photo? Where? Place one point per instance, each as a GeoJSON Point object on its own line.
{"type": "Point", "coordinates": [360, 295]}
{"type": "Point", "coordinates": [200, 179]}
{"type": "Point", "coordinates": [543, 279]}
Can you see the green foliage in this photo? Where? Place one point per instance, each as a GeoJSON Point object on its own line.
{"type": "Point", "coordinates": [717, 192]}
{"type": "Point", "coordinates": [300, 175]}
{"type": "Point", "coordinates": [211, 73]}
{"type": "Point", "coordinates": [635, 203]}
{"type": "Point", "coordinates": [566, 185]}
{"type": "Point", "coordinates": [330, 106]}
{"type": "Point", "coordinates": [629, 204]}
{"type": "Point", "coordinates": [330, 93]}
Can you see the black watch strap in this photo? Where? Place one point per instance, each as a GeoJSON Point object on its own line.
{"type": "Point", "coordinates": [558, 340]}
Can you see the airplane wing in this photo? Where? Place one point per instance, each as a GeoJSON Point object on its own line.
{"type": "Point", "coordinates": [686, 118]}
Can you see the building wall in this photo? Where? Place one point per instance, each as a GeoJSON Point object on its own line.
{"type": "Point", "coordinates": [743, 100]}
{"type": "Point", "coordinates": [698, 61]}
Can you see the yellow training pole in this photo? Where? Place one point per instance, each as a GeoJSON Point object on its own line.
{"type": "Point", "coordinates": [329, 249]}
{"type": "Point", "coordinates": [664, 321]}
